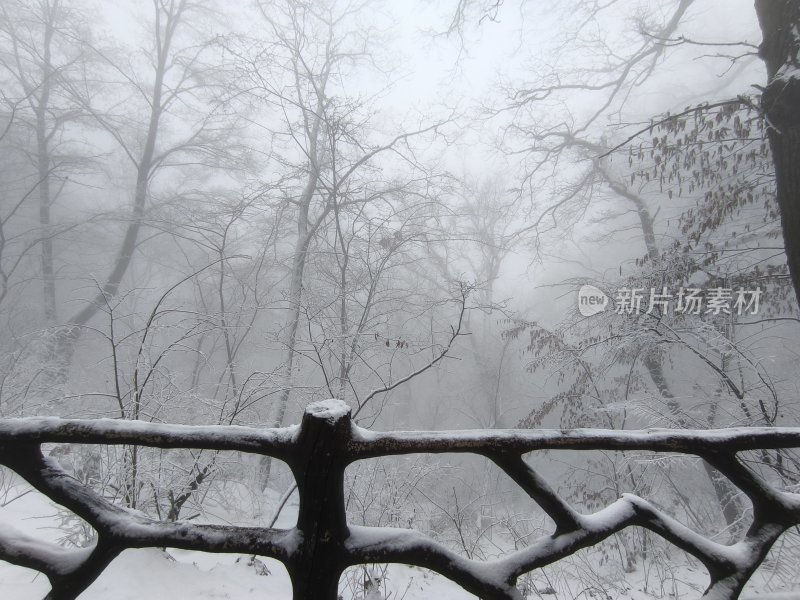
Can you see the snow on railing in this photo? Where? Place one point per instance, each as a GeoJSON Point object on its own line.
{"type": "Point", "coordinates": [322, 544]}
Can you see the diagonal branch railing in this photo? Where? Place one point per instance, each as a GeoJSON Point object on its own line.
{"type": "Point", "coordinates": [317, 550]}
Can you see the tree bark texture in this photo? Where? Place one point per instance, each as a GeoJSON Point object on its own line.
{"type": "Point", "coordinates": [780, 27]}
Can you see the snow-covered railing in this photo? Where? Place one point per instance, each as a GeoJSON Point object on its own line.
{"type": "Point", "coordinates": [322, 544]}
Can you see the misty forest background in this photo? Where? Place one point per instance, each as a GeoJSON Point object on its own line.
{"type": "Point", "coordinates": [217, 213]}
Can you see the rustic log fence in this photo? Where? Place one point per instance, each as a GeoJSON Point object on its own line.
{"type": "Point", "coordinates": [322, 544]}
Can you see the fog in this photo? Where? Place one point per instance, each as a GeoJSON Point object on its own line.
{"type": "Point", "coordinates": [219, 213]}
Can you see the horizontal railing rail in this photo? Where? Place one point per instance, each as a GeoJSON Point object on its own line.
{"type": "Point", "coordinates": [323, 544]}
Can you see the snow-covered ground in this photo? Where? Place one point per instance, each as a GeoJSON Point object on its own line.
{"type": "Point", "coordinates": [149, 573]}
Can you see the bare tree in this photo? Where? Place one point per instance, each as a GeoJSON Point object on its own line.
{"type": "Point", "coordinates": [310, 51]}
{"type": "Point", "coordinates": [181, 84]}
{"type": "Point", "coordinates": [40, 53]}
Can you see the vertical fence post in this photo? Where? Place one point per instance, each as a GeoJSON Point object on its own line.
{"type": "Point", "coordinates": [318, 469]}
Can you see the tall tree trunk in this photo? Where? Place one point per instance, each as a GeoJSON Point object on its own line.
{"type": "Point", "coordinates": [53, 373]}
{"type": "Point", "coordinates": [312, 124]}
{"type": "Point", "coordinates": [145, 165]}
{"type": "Point", "coordinates": [780, 51]}
{"type": "Point", "coordinates": [43, 167]}
{"type": "Point", "coordinates": [296, 290]}
{"type": "Point", "coordinates": [144, 171]}
{"type": "Point", "coordinates": [304, 233]}
{"type": "Point", "coordinates": [295, 299]}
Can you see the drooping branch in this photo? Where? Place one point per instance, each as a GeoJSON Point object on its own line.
{"type": "Point", "coordinates": [455, 332]}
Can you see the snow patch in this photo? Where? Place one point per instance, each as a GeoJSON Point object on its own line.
{"type": "Point", "coordinates": [331, 410]}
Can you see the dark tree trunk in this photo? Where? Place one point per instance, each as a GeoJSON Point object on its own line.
{"type": "Point", "coordinates": [780, 27]}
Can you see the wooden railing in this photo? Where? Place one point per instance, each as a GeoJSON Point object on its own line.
{"type": "Point", "coordinates": [322, 544]}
